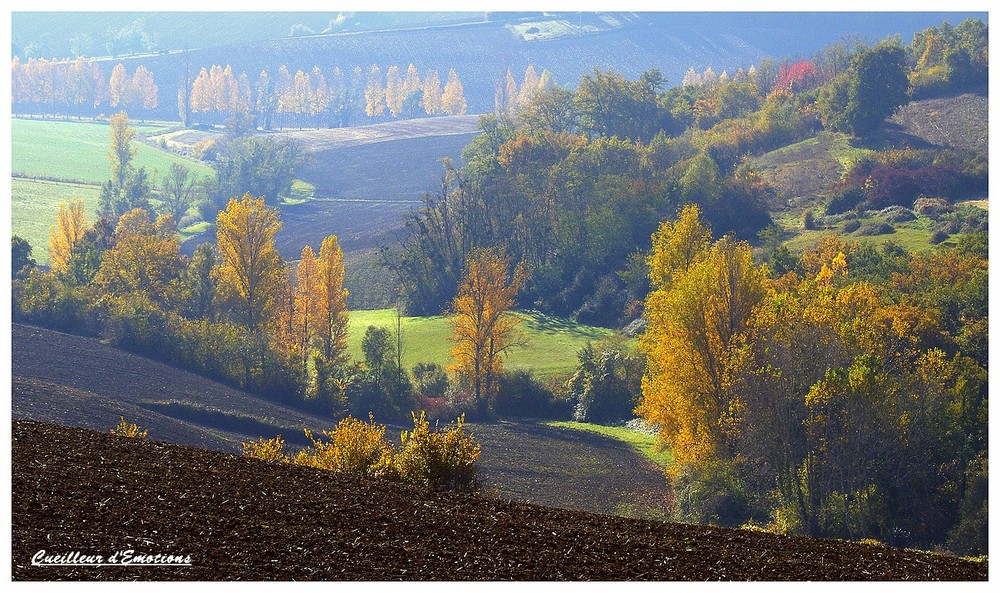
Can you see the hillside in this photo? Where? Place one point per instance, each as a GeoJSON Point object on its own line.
{"type": "Point", "coordinates": [805, 175]}
{"type": "Point", "coordinates": [244, 519]}
{"type": "Point", "coordinates": [69, 380]}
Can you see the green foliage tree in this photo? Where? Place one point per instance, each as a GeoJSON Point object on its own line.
{"type": "Point", "coordinates": [383, 388]}
{"type": "Point", "coordinates": [178, 191]}
{"type": "Point", "coordinates": [128, 187]}
{"type": "Point", "coordinates": [878, 86]}
{"type": "Point", "coordinates": [21, 261]}
{"type": "Point", "coordinates": [255, 165]}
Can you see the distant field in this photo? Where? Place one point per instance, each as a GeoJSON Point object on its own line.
{"type": "Point", "coordinates": [913, 236]}
{"type": "Point", "coordinates": [78, 151]}
{"type": "Point", "coordinates": [551, 347]}
{"type": "Point", "coordinates": [34, 206]}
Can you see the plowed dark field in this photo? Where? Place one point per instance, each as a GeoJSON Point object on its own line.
{"type": "Point", "coordinates": [241, 519]}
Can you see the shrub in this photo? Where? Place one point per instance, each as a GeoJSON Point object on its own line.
{"type": "Point", "coordinates": [931, 207]}
{"type": "Point", "coordinates": [938, 237]}
{"type": "Point", "coordinates": [430, 380]}
{"type": "Point", "coordinates": [607, 382]}
{"type": "Point", "coordinates": [710, 492]}
{"type": "Point", "coordinates": [852, 225]}
{"type": "Point", "coordinates": [438, 458]}
{"type": "Point", "coordinates": [809, 220]}
{"type": "Point", "coordinates": [895, 214]}
{"type": "Point", "coordinates": [266, 449]}
{"type": "Point", "coordinates": [845, 200]}
{"type": "Point", "coordinates": [354, 447]}
{"type": "Point", "coordinates": [132, 431]}
{"type": "Point", "coordinates": [872, 228]}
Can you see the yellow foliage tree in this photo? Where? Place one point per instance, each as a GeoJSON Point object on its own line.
{"type": "Point", "coordinates": [145, 256]}
{"type": "Point", "coordinates": [698, 318]}
{"type": "Point", "coordinates": [250, 269]}
{"type": "Point", "coordinates": [453, 97]}
{"type": "Point", "coordinates": [483, 326]}
{"type": "Point", "coordinates": [374, 93]}
{"type": "Point", "coordinates": [70, 225]}
{"type": "Point", "coordinates": [121, 151]}
{"type": "Point", "coordinates": [677, 244]}
{"type": "Point", "coordinates": [309, 302]}
{"type": "Point", "coordinates": [332, 331]}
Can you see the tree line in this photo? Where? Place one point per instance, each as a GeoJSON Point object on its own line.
{"type": "Point", "coordinates": [845, 398]}
{"type": "Point", "coordinates": [80, 86]}
{"type": "Point", "coordinates": [332, 99]}
{"type": "Point", "coordinates": [573, 182]}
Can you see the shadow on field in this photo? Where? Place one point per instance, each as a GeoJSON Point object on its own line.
{"type": "Point", "coordinates": [551, 324]}
{"type": "Point", "coordinates": [569, 469]}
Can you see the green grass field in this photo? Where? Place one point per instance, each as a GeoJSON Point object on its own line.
{"type": "Point", "coordinates": [34, 204]}
{"type": "Point", "coordinates": [643, 442]}
{"type": "Point", "coordinates": [78, 151]}
{"type": "Point", "coordinates": [914, 236]}
{"type": "Point", "coordinates": [550, 345]}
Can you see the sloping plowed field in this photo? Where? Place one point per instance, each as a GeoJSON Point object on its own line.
{"type": "Point", "coordinates": [954, 122]}
{"type": "Point", "coordinates": [236, 518]}
{"type": "Point", "coordinates": [70, 380]}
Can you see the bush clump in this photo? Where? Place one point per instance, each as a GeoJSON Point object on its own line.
{"type": "Point", "coordinates": [132, 431]}
{"type": "Point", "coordinates": [896, 214]}
{"type": "Point", "coordinates": [522, 395]}
{"type": "Point", "coordinates": [437, 458]}
{"type": "Point", "coordinates": [852, 225]}
{"type": "Point", "coordinates": [872, 228]}
{"type": "Point", "coordinates": [939, 237]}
{"type": "Point", "coordinates": [354, 447]}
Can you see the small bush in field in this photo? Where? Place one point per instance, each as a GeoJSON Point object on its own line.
{"type": "Point", "coordinates": [438, 458]}
{"type": "Point", "coordinates": [353, 447]}
{"type": "Point", "coordinates": [938, 237]}
{"type": "Point", "coordinates": [809, 220]}
{"type": "Point", "coordinates": [266, 449]}
{"type": "Point", "coordinates": [132, 431]}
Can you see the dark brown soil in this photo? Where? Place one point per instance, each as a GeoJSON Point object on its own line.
{"type": "Point", "coordinates": [80, 491]}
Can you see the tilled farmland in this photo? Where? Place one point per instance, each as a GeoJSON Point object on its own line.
{"type": "Point", "coordinates": [78, 491]}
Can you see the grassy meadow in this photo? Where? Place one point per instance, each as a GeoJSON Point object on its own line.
{"type": "Point", "coordinates": [78, 151]}
{"type": "Point", "coordinates": [34, 203]}
{"type": "Point", "coordinates": [550, 344]}
{"type": "Point", "coordinates": [54, 161]}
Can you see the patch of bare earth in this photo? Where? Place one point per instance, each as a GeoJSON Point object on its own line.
{"type": "Point", "coordinates": [955, 122]}
{"type": "Point", "coordinates": [242, 519]}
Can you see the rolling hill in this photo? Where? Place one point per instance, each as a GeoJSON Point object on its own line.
{"type": "Point", "coordinates": [480, 47]}
{"type": "Point", "coordinates": [74, 381]}
{"type": "Point", "coordinates": [243, 519]}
